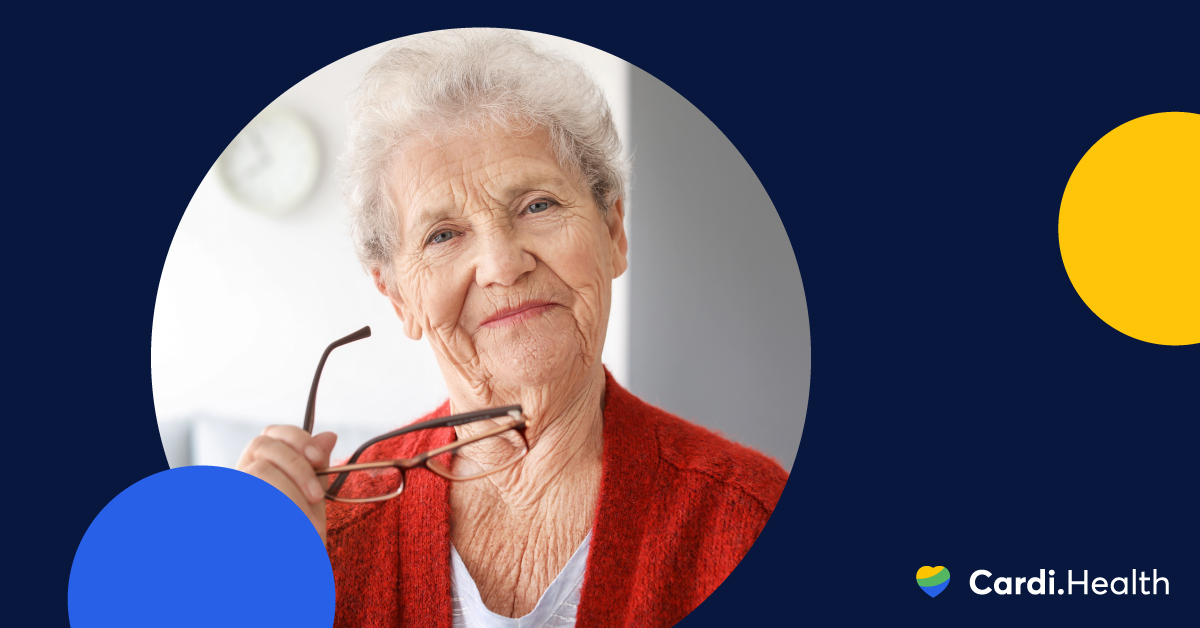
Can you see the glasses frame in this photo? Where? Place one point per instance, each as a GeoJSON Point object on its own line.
{"type": "Point", "coordinates": [421, 461]}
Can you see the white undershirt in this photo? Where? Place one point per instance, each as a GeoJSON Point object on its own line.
{"type": "Point", "coordinates": [555, 609]}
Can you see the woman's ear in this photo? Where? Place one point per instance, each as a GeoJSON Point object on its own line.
{"type": "Point", "coordinates": [411, 328]}
{"type": "Point", "coordinates": [616, 234]}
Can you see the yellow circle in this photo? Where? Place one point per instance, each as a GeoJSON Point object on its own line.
{"type": "Point", "coordinates": [1129, 228]}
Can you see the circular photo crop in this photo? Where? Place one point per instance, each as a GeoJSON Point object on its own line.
{"type": "Point", "coordinates": [509, 319]}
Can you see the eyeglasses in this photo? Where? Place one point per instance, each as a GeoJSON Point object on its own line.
{"type": "Point", "coordinates": [475, 456]}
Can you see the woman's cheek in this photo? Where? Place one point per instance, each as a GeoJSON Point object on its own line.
{"type": "Point", "coordinates": [583, 262]}
{"type": "Point", "coordinates": [427, 303]}
{"type": "Point", "coordinates": [445, 305]}
{"type": "Point", "coordinates": [578, 255]}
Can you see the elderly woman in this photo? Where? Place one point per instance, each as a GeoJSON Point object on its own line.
{"type": "Point", "coordinates": [488, 197]}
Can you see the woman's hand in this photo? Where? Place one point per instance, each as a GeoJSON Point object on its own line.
{"type": "Point", "coordinates": [286, 457]}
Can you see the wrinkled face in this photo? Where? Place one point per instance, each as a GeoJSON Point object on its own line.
{"type": "Point", "coordinates": [506, 261]}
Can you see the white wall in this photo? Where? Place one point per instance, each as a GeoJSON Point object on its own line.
{"type": "Point", "coordinates": [719, 331]}
{"type": "Point", "coordinates": [247, 302]}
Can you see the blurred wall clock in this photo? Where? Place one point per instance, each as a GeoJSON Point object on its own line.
{"type": "Point", "coordinates": [272, 165]}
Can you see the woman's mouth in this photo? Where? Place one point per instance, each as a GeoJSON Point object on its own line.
{"type": "Point", "coordinates": [514, 315]}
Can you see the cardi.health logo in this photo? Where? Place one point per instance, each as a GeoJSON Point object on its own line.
{"type": "Point", "coordinates": [933, 580]}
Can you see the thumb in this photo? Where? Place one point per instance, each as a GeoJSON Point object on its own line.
{"type": "Point", "coordinates": [324, 442]}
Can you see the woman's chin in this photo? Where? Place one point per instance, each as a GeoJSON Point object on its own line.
{"type": "Point", "coordinates": [531, 360]}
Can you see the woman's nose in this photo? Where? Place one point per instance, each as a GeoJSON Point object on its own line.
{"type": "Point", "coordinates": [502, 259]}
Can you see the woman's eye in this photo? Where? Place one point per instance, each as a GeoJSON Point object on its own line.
{"type": "Point", "coordinates": [441, 237]}
{"type": "Point", "coordinates": [539, 206]}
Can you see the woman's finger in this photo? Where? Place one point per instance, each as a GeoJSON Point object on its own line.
{"type": "Point", "coordinates": [315, 448]}
{"type": "Point", "coordinates": [297, 438]}
{"type": "Point", "coordinates": [248, 455]}
{"type": "Point", "coordinates": [273, 475]}
{"type": "Point", "coordinates": [291, 462]}
{"type": "Point", "coordinates": [324, 442]}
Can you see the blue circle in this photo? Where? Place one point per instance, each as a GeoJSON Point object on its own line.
{"type": "Point", "coordinates": [201, 546]}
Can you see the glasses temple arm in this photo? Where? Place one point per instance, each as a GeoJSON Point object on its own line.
{"type": "Point", "coordinates": [310, 410]}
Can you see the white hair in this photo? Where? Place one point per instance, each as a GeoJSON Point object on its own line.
{"type": "Point", "coordinates": [462, 81]}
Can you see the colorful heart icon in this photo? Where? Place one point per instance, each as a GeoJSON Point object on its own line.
{"type": "Point", "coordinates": [933, 580]}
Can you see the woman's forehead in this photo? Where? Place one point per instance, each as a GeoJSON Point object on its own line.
{"type": "Point", "coordinates": [448, 175]}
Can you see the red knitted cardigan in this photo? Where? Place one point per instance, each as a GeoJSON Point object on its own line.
{"type": "Point", "coordinates": [679, 507]}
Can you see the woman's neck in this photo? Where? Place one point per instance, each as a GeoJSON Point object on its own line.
{"type": "Point", "coordinates": [564, 417]}
{"type": "Point", "coordinates": [536, 514]}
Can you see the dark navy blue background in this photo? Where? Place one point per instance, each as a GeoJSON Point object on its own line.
{"type": "Point", "coordinates": [967, 409]}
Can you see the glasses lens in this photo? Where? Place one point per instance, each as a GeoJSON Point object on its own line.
{"type": "Point", "coordinates": [482, 457]}
{"type": "Point", "coordinates": [365, 484]}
